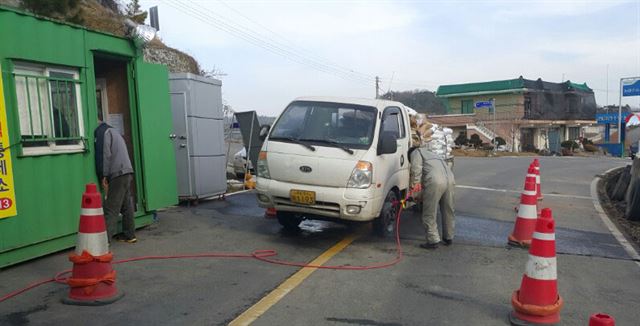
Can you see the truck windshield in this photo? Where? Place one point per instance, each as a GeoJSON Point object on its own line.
{"type": "Point", "coordinates": [326, 124]}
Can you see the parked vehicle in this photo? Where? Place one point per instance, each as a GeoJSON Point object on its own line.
{"type": "Point", "coordinates": [240, 163]}
{"type": "Point", "coordinates": [338, 159]}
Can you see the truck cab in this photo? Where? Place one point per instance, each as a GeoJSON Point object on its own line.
{"type": "Point", "coordinates": [340, 159]}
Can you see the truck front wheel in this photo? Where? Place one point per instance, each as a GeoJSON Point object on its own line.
{"type": "Point", "coordinates": [289, 220]}
{"type": "Point", "coordinates": [385, 225]}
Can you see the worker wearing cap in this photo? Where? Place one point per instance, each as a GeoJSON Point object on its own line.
{"type": "Point", "coordinates": [436, 178]}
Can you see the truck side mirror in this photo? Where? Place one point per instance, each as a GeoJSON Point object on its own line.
{"type": "Point", "coordinates": [264, 131]}
{"type": "Point", "coordinates": [388, 143]}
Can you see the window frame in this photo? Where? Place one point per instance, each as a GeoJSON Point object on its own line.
{"type": "Point", "coordinates": [528, 104]}
{"type": "Point", "coordinates": [388, 111]}
{"type": "Point", "coordinates": [469, 107]}
{"type": "Point", "coordinates": [21, 69]}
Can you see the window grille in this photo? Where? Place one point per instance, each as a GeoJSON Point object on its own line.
{"type": "Point", "coordinates": [49, 111]}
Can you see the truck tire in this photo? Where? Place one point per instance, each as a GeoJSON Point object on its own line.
{"type": "Point", "coordinates": [384, 225]}
{"type": "Point", "coordinates": [289, 221]}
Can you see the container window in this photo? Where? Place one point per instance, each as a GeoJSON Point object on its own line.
{"type": "Point", "coordinates": [48, 102]}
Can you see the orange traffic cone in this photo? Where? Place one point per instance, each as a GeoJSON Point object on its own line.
{"type": "Point", "coordinates": [601, 320]}
{"type": "Point", "coordinates": [536, 165]}
{"type": "Point", "coordinates": [537, 301]}
{"type": "Point", "coordinates": [531, 173]}
{"type": "Point", "coordinates": [93, 280]}
{"type": "Point", "coordinates": [270, 213]}
{"type": "Point", "coordinates": [527, 214]}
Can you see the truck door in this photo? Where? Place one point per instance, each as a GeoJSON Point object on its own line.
{"type": "Point", "coordinates": [395, 167]}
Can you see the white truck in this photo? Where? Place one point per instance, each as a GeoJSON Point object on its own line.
{"type": "Point", "coordinates": [340, 159]}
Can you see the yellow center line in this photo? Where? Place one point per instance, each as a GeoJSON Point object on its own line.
{"type": "Point", "coordinates": [258, 309]}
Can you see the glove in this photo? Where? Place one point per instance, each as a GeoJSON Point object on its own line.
{"type": "Point", "coordinates": [417, 188]}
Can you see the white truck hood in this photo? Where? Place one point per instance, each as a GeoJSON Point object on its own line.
{"type": "Point", "coordinates": [329, 166]}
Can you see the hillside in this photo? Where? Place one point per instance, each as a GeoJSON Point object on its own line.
{"type": "Point", "coordinates": [107, 16]}
{"type": "Point", "coordinates": [423, 101]}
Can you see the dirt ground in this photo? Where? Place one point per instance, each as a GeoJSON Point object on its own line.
{"type": "Point", "coordinates": [615, 209]}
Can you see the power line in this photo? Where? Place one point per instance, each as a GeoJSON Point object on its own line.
{"type": "Point", "coordinates": [294, 46]}
{"type": "Point", "coordinates": [251, 37]}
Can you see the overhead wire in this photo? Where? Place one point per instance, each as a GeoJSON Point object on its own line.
{"type": "Point", "coordinates": [295, 47]}
{"type": "Point", "coordinates": [208, 18]}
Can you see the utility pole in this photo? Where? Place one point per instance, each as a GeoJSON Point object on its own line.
{"type": "Point", "coordinates": [377, 87]}
{"type": "Point", "coordinates": [606, 104]}
{"type": "Point", "coordinates": [495, 130]}
{"type": "Point", "coordinates": [620, 118]}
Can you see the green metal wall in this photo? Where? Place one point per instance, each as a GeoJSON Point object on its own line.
{"type": "Point", "coordinates": [49, 188]}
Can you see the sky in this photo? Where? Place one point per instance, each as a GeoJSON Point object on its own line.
{"type": "Point", "coordinates": [272, 51]}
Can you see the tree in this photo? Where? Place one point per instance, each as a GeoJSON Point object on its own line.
{"type": "Point", "coordinates": [499, 141]}
{"type": "Point", "coordinates": [569, 145]}
{"type": "Point", "coordinates": [475, 141]}
{"type": "Point", "coordinates": [134, 13]}
{"type": "Point", "coordinates": [423, 101]}
{"type": "Point", "coordinates": [461, 139]}
{"type": "Point", "coordinates": [214, 72]}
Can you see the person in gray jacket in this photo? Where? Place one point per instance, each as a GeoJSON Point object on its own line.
{"type": "Point", "coordinates": [115, 173]}
{"type": "Point", "coordinates": [438, 183]}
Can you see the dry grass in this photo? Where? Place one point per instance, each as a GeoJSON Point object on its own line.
{"type": "Point", "coordinates": [99, 18]}
{"type": "Point", "coordinates": [194, 66]}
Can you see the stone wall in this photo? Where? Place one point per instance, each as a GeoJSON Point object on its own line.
{"type": "Point", "coordinates": [175, 60]}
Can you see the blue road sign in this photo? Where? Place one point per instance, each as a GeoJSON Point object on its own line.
{"type": "Point", "coordinates": [482, 104]}
{"type": "Point", "coordinates": [631, 87]}
{"type": "Point", "coordinates": [606, 118]}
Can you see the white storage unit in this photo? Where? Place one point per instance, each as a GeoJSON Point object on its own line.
{"type": "Point", "coordinates": [198, 128]}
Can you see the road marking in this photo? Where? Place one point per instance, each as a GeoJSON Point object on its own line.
{"type": "Point", "coordinates": [612, 227]}
{"type": "Point", "coordinates": [519, 191]}
{"type": "Point", "coordinates": [258, 309]}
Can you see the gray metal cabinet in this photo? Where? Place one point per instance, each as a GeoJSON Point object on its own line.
{"type": "Point", "coordinates": [198, 132]}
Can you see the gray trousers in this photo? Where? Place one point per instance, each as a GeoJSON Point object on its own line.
{"type": "Point", "coordinates": [442, 194]}
{"type": "Point", "coordinates": [119, 200]}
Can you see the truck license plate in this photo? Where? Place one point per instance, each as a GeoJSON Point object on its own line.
{"type": "Point", "coordinates": [303, 197]}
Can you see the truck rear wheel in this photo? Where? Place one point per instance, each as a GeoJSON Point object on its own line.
{"type": "Point", "coordinates": [289, 220]}
{"type": "Point", "coordinates": [385, 225]}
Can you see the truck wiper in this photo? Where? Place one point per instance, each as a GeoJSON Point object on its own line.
{"type": "Point", "coordinates": [333, 143]}
{"type": "Point", "coordinates": [295, 141]}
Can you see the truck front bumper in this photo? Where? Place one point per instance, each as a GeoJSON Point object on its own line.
{"type": "Point", "coordinates": [340, 203]}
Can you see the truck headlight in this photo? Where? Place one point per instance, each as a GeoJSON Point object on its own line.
{"type": "Point", "coordinates": [263, 168]}
{"type": "Point", "coordinates": [361, 176]}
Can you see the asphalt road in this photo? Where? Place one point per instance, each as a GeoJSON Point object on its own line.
{"type": "Point", "coordinates": [469, 283]}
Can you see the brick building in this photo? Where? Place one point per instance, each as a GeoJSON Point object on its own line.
{"type": "Point", "coordinates": [529, 114]}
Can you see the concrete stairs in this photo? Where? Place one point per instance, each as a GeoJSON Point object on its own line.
{"type": "Point", "coordinates": [487, 133]}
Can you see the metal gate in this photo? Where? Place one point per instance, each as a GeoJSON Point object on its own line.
{"type": "Point", "coordinates": [554, 140]}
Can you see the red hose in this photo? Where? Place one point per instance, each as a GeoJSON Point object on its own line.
{"type": "Point", "coordinates": [261, 255]}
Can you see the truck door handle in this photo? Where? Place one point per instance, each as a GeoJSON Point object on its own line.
{"type": "Point", "coordinates": [401, 160]}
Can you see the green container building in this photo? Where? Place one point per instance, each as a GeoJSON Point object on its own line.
{"type": "Point", "coordinates": [57, 80]}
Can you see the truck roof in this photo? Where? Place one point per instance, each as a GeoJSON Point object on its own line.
{"type": "Point", "coordinates": [380, 104]}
